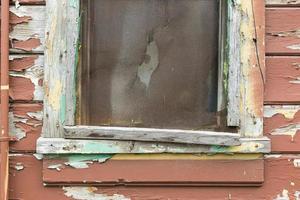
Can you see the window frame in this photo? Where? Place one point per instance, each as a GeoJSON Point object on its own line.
{"type": "Point", "coordinates": [242, 59]}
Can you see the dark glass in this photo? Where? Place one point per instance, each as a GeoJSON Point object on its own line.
{"type": "Point", "coordinates": [150, 63]}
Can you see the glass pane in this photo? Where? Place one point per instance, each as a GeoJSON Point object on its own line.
{"type": "Point", "coordinates": [150, 63]}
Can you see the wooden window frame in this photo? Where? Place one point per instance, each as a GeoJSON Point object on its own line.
{"type": "Point", "coordinates": [242, 59]}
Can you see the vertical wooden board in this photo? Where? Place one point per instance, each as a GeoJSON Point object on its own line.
{"type": "Point", "coordinates": [282, 31]}
{"type": "Point", "coordinates": [252, 65]}
{"type": "Point", "coordinates": [282, 80]}
{"type": "Point", "coordinates": [282, 126]}
{"type": "Point", "coordinates": [60, 56]}
{"type": "Point", "coordinates": [25, 124]}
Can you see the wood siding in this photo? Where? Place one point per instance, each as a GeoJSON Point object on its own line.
{"type": "Point", "coordinates": [281, 117]}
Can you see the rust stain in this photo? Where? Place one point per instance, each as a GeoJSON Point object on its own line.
{"type": "Point", "coordinates": [21, 88]}
{"type": "Point", "coordinates": [21, 64]}
{"type": "Point", "coordinates": [27, 45]}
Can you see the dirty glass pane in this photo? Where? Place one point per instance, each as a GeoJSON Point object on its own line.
{"type": "Point", "coordinates": [150, 63]}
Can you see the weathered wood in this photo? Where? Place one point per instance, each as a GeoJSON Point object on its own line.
{"type": "Point", "coordinates": [283, 80]}
{"type": "Point", "coordinates": [233, 65]}
{"type": "Point", "coordinates": [27, 2]}
{"type": "Point", "coordinates": [283, 31]}
{"type": "Point", "coordinates": [155, 170]}
{"type": "Point", "coordinates": [67, 146]}
{"type": "Point", "coordinates": [26, 77]}
{"type": "Point", "coordinates": [252, 54]}
{"type": "Point", "coordinates": [152, 135]}
{"type": "Point", "coordinates": [27, 29]}
{"type": "Point", "coordinates": [60, 55]}
{"type": "Point", "coordinates": [270, 3]}
{"type": "Point", "coordinates": [281, 179]}
{"type": "Point", "coordinates": [282, 126]}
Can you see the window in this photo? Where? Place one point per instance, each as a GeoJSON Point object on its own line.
{"type": "Point", "coordinates": [175, 71]}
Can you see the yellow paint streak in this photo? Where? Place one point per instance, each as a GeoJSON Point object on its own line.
{"type": "Point", "coordinates": [54, 95]}
{"type": "Point", "coordinates": [249, 147]}
{"type": "Point", "coordinates": [166, 156]}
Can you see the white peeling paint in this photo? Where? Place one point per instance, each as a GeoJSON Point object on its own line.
{"type": "Point", "coordinates": [296, 162]}
{"type": "Point", "coordinates": [283, 196]}
{"type": "Point", "coordinates": [57, 167]}
{"type": "Point", "coordinates": [288, 111]}
{"type": "Point", "coordinates": [35, 74]}
{"type": "Point", "coordinates": [297, 195]}
{"type": "Point", "coordinates": [38, 156]}
{"type": "Point", "coordinates": [289, 130]}
{"type": "Point", "coordinates": [294, 47]}
{"type": "Point", "coordinates": [15, 131]}
{"type": "Point", "coordinates": [88, 193]}
{"type": "Point", "coordinates": [19, 166]}
{"type": "Point", "coordinates": [273, 156]}
{"type": "Point", "coordinates": [79, 164]}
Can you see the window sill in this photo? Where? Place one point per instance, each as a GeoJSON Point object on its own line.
{"type": "Point", "coordinates": [75, 146]}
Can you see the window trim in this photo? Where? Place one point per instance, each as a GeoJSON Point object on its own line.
{"type": "Point", "coordinates": [62, 31]}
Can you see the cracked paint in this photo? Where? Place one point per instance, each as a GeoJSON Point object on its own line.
{"type": "Point", "coordinates": [283, 196]}
{"type": "Point", "coordinates": [289, 130]}
{"type": "Point", "coordinates": [286, 110]}
{"type": "Point", "coordinates": [89, 193]}
{"type": "Point", "coordinates": [19, 166]}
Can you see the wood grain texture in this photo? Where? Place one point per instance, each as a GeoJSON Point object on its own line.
{"type": "Point", "coordinates": [152, 135]}
{"type": "Point", "coordinates": [25, 124]}
{"type": "Point", "coordinates": [158, 173]}
{"type": "Point", "coordinates": [282, 3]}
{"type": "Point", "coordinates": [281, 180]}
{"type": "Point", "coordinates": [282, 31]}
{"type": "Point", "coordinates": [67, 146]}
{"type": "Point", "coordinates": [60, 57]}
{"type": "Point", "coordinates": [252, 67]}
{"type": "Point", "coordinates": [282, 125]}
{"type": "Point", "coordinates": [282, 80]}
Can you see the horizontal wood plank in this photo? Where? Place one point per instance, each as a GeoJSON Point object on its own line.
{"type": "Point", "coordinates": [281, 176]}
{"type": "Point", "coordinates": [152, 172]}
{"type": "Point", "coordinates": [152, 135]}
{"type": "Point", "coordinates": [282, 126]}
{"type": "Point", "coordinates": [67, 146]}
{"type": "Point", "coordinates": [27, 29]}
{"type": "Point", "coordinates": [282, 3]}
{"type": "Point", "coordinates": [282, 80]}
{"type": "Point", "coordinates": [25, 123]}
{"type": "Point", "coordinates": [26, 77]}
{"type": "Point", "coordinates": [282, 31]}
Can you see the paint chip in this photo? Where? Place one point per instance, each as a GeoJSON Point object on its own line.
{"type": "Point", "coordinates": [19, 166]}
{"type": "Point", "coordinates": [88, 193]}
{"type": "Point", "coordinates": [57, 167]}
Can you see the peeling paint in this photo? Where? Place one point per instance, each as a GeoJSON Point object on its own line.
{"type": "Point", "coordinates": [291, 33]}
{"type": "Point", "coordinates": [288, 111]}
{"type": "Point", "coordinates": [89, 193]}
{"type": "Point", "coordinates": [19, 166]}
{"type": "Point", "coordinates": [38, 156]}
{"type": "Point", "coordinates": [294, 47]}
{"type": "Point", "coordinates": [57, 167]}
{"type": "Point", "coordinates": [283, 196]}
{"type": "Point", "coordinates": [296, 163]}
{"type": "Point", "coordinates": [289, 130]}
